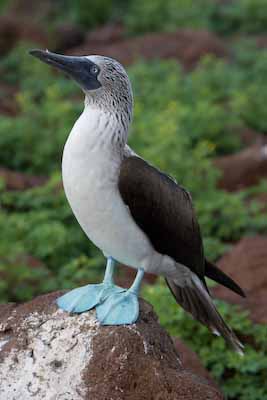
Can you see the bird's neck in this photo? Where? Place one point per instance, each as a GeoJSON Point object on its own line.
{"type": "Point", "coordinates": [98, 129]}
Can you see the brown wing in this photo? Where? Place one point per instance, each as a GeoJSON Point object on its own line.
{"type": "Point", "coordinates": [164, 211]}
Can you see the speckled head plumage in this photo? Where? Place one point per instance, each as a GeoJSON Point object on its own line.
{"type": "Point", "coordinates": [103, 79]}
{"type": "Point", "coordinates": [115, 91]}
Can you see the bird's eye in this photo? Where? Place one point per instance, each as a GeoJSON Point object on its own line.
{"type": "Point", "coordinates": [94, 69]}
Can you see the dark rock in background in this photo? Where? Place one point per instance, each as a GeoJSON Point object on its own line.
{"type": "Point", "coordinates": [106, 34]}
{"type": "Point", "coordinates": [8, 34]}
{"type": "Point", "coordinates": [187, 46]}
{"type": "Point", "coordinates": [19, 181]}
{"type": "Point", "coordinates": [68, 35]}
{"type": "Point", "coordinates": [246, 263]}
{"type": "Point", "coordinates": [14, 29]}
{"type": "Point", "coordinates": [261, 41]}
{"type": "Point", "coordinates": [244, 168]}
{"type": "Point", "coordinates": [250, 136]}
{"type": "Point", "coordinates": [47, 353]}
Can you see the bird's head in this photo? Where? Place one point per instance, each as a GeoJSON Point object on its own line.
{"type": "Point", "coordinates": [103, 80]}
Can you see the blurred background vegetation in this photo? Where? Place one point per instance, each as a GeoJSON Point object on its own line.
{"type": "Point", "coordinates": [186, 118]}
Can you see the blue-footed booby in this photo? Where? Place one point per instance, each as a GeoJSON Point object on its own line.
{"type": "Point", "coordinates": [134, 213]}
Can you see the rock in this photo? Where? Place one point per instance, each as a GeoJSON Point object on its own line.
{"type": "Point", "coordinates": [8, 34]}
{"type": "Point", "coordinates": [29, 10]}
{"type": "Point", "coordinates": [244, 168]}
{"type": "Point", "coordinates": [261, 41]}
{"type": "Point", "coordinates": [108, 33]}
{"type": "Point", "coordinates": [249, 136]}
{"type": "Point", "coordinates": [24, 20]}
{"type": "Point", "coordinates": [191, 361]}
{"type": "Point", "coordinates": [19, 181]}
{"type": "Point", "coordinates": [187, 46]}
{"type": "Point", "coordinates": [14, 29]}
{"type": "Point", "coordinates": [246, 263]}
{"type": "Point", "coordinates": [67, 35]}
{"type": "Point", "coordinates": [47, 353]}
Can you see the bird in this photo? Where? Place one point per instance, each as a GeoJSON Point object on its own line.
{"type": "Point", "coordinates": [134, 213]}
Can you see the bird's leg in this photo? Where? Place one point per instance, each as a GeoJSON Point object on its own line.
{"type": "Point", "coordinates": [108, 277]}
{"type": "Point", "coordinates": [135, 288]}
{"type": "Point", "coordinates": [121, 308]}
{"type": "Point", "coordinates": [87, 297]}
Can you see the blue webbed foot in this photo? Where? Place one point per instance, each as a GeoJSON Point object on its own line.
{"type": "Point", "coordinates": [87, 297]}
{"type": "Point", "coordinates": [119, 309]}
{"type": "Point", "coordinates": [114, 305]}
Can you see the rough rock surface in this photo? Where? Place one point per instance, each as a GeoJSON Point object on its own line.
{"type": "Point", "coordinates": [246, 263]}
{"type": "Point", "coordinates": [191, 361]}
{"type": "Point", "coordinates": [46, 353]}
{"type": "Point", "coordinates": [184, 45]}
{"type": "Point", "coordinates": [243, 169]}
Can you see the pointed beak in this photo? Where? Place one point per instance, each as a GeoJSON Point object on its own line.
{"type": "Point", "coordinates": [78, 68]}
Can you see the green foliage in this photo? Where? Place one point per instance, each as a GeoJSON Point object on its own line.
{"type": "Point", "coordinates": [242, 15]}
{"type": "Point", "coordinates": [3, 4]}
{"type": "Point", "coordinates": [21, 281]}
{"type": "Point", "coordinates": [39, 222]}
{"type": "Point", "coordinates": [139, 16]}
{"type": "Point", "coordinates": [41, 128]}
{"type": "Point", "coordinates": [97, 13]}
{"type": "Point", "coordinates": [162, 15]}
{"type": "Point", "coordinates": [250, 102]}
{"type": "Point", "coordinates": [168, 15]}
{"type": "Point", "coordinates": [194, 107]}
{"type": "Point", "coordinates": [87, 15]}
{"type": "Point", "coordinates": [241, 378]}
{"type": "Point", "coordinates": [48, 106]}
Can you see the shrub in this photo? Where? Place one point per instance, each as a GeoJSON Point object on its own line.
{"type": "Point", "coordinates": [48, 108]}
{"type": "Point", "coordinates": [39, 222]}
{"type": "Point", "coordinates": [243, 15]}
{"type": "Point", "coordinates": [99, 11]}
{"type": "Point", "coordinates": [167, 15]}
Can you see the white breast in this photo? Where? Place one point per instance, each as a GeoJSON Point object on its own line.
{"type": "Point", "coordinates": [90, 173]}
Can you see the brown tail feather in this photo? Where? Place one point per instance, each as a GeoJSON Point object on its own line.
{"type": "Point", "coordinates": [194, 298]}
{"type": "Point", "coordinates": [214, 273]}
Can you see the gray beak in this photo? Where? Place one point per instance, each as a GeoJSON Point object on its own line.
{"type": "Point", "coordinates": [82, 70]}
